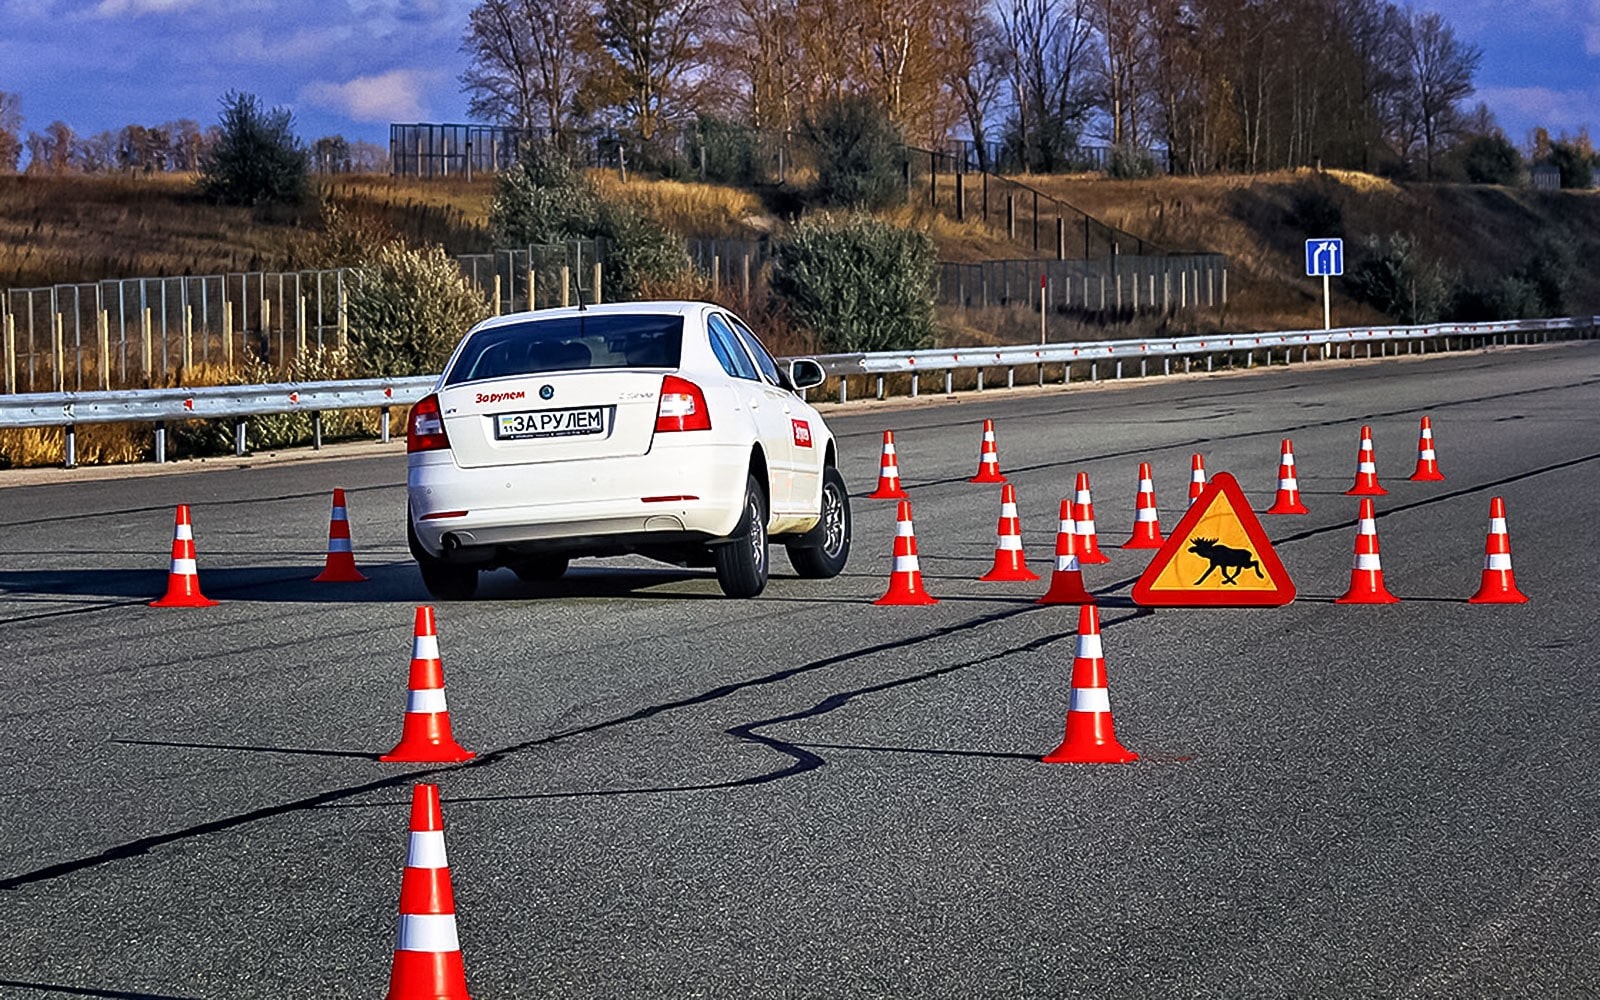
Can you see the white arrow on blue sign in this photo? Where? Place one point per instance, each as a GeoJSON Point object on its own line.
{"type": "Point", "coordinates": [1324, 257]}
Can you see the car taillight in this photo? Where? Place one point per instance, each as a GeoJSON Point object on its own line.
{"type": "Point", "coordinates": [425, 426]}
{"type": "Point", "coordinates": [682, 407]}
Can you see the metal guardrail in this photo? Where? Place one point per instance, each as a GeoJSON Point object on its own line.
{"type": "Point", "coordinates": [161, 406]}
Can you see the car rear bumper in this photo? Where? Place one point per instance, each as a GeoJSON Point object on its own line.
{"type": "Point", "coordinates": [660, 493]}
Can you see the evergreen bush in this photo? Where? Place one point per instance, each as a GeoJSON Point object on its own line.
{"type": "Point", "coordinates": [861, 157]}
{"type": "Point", "coordinates": [858, 284]}
{"type": "Point", "coordinates": [256, 160]}
{"type": "Point", "coordinates": [407, 309]}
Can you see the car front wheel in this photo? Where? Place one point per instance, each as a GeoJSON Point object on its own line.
{"type": "Point", "coordinates": [822, 552]}
{"type": "Point", "coordinates": [741, 559]}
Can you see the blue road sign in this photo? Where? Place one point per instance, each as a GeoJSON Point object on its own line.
{"type": "Point", "coordinates": [1324, 257]}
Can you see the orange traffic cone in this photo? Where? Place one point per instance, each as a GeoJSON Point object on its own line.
{"type": "Point", "coordinates": [1009, 562]}
{"type": "Point", "coordinates": [340, 566]}
{"type": "Point", "coordinates": [905, 581]}
{"type": "Point", "coordinates": [1288, 499]}
{"type": "Point", "coordinates": [888, 473]}
{"type": "Point", "coordinates": [425, 737]}
{"type": "Point", "coordinates": [1366, 574]}
{"type": "Point", "coordinates": [1083, 524]}
{"type": "Point", "coordinates": [1197, 476]}
{"type": "Point", "coordinates": [1091, 738]}
{"type": "Point", "coordinates": [1146, 524]}
{"type": "Point", "coordinates": [1066, 583]}
{"type": "Point", "coordinates": [1427, 462]}
{"type": "Point", "coordinates": [988, 458]}
{"type": "Point", "coordinates": [183, 579]}
{"type": "Point", "coordinates": [1366, 470]}
{"type": "Point", "coordinates": [427, 953]}
{"type": "Point", "coordinates": [1499, 585]}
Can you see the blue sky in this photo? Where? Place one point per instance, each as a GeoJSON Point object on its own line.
{"type": "Point", "coordinates": [352, 66]}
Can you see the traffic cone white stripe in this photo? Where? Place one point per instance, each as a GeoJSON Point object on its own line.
{"type": "Point", "coordinates": [903, 529]}
{"type": "Point", "coordinates": [185, 567]}
{"type": "Point", "coordinates": [1366, 467]}
{"type": "Point", "coordinates": [340, 545]}
{"type": "Point", "coordinates": [1287, 460]}
{"type": "Point", "coordinates": [426, 850]}
{"type": "Point", "coordinates": [1008, 510]}
{"type": "Point", "coordinates": [1367, 560]}
{"type": "Point", "coordinates": [1067, 563]}
{"type": "Point", "coordinates": [1084, 528]}
{"type": "Point", "coordinates": [339, 514]}
{"type": "Point", "coordinates": [1010, 543]}
{"type": "Point", "coordinates": [426, 647]}
{"type": "Point", "coordinates": [434, 932]}
{"type": "Point", "coordinates": [892, 471]}
{"type": "Point", "coordinates": [1091, 700]}
{"type": "Point", "coordinates": [1145, 515]}
{"type": "Point", "coordinates": [1366, 527]}
{"type": "Point", "coordinates": [1090, 648]}
{"type": "Point", "coordinates": [183, 532]}
{"type": "Point", "coordinates": [906, 564]}
{"type": "Point", "coordinates": [1497, 561]}
{"type": "Point", "coordinates": [1289, 484]}
{"type": "Point", "coordinates": [1147, 486]}
{"type": "Point", "coordinates": [1082, 496]}
{"type": "Point", "coordinates": [426, 701]}
{"type": "Point", "coordinates": [1428, 455]}
{"type": "Point", "coordinates": [1497, 526]}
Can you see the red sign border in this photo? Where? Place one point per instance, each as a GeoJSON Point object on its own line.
{"type": "Point", "coordinates": [1146, 596]}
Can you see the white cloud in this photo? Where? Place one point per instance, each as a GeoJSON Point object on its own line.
{"type": "Point", "coordinates": [1522, 108]}
{"type": "Point", "coordinates": [255, 45]}
{"type": "Point", "coordinates": [117, 8]}
{"type": "Point", "coordinates": [386, 97]}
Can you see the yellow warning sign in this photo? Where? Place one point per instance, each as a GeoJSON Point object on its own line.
{"type": "Point", "coordinates": [1217, 556]}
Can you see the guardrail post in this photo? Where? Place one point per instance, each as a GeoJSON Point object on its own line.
{"type": "Point", "coordinates": [72, 446]}
{"type": "Point", "coordinates": [239, 437]}
{"type": "Point", "coordinates": [880, 386]}
{"type": "Point", "coordinates": [1210, 361]}
{"type": "Point", "coordinates": [980, 379]}
{"type": "Point", "coordinates": [1119, 368]}
{"type": "Point", "coordinates": [844, 389]}
{"type": "Point", "coordinates": [948, 377]}
{"type": "Point", "coordinates": [161, 442]}
{"type": "Point", "coordinates": [915, 379]}
{"type": "Point", "coordinates": [1094, 371]}
{"type": "Point", "coordinates": [383, 424]}
{"type": "Point", "coordinates": [316, 430]}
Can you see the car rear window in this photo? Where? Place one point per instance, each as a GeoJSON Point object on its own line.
{"type": "Point", "coordinates": [571, 343]}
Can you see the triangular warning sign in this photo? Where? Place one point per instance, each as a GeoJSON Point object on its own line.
{"type": "Point", "coordinates": [1217, 557]}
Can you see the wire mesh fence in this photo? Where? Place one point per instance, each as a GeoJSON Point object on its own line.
{"type": "Point", "coordinates": [1121, 285]}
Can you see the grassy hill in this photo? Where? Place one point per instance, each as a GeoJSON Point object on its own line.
{"type": "Point", "coordinates": [70, 229]}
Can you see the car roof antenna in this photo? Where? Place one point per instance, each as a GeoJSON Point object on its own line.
{"type": "Point", "coordinates": [577, 286]}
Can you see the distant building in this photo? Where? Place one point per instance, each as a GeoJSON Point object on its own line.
{"type": "Point", "coordinates": [1545, 177]}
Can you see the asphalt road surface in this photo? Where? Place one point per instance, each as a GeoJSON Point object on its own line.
{"type": "Point", "coordinates": [805, 796]}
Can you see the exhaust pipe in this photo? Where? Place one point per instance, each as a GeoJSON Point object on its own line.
{"type": "Point", "coordinates": [452, 542]}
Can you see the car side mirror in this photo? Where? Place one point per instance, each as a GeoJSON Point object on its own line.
{"type": "Point", "coordinates": [806, 374]}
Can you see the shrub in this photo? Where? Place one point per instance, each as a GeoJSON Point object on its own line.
{"type": "Point", "coordinates": [269, 431]}
{"type": "Point", "coordinates": [861, 159]}
{"type": "Point", "coordinates": [1392, 275]}
{"type": "Point", "coordinates": [542, 199]}
{"type": "Point", "coordinates": [859, 284]}
{"type": "Point", "coordinates": [1551, 270]}
{"type": "Point", "coordinates": [1575, 162]}
{"type": "Point", "coordinates": [1509, 297]}
{"type": "Point", "coordinates": [407, 309]}
{"type": "Point", "coordinates": [256, 160]}
{"type": "Point", "coordinates": [729, 149]}
{"type": "Point", "coordinates": [1491, 159]}
{"type": "Point", "coordinates": [1131, 164]}
{"type": "Point", "coordinates": [638, 255]}
{"type": "Point", "coordinates": [1314, 212]}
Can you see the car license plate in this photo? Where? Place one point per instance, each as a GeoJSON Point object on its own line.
{"type": "Point", "coordinates": [578, 422]}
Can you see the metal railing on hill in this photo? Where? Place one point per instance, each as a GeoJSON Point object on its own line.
{"type": "Point", "coordinates": [873, 375]}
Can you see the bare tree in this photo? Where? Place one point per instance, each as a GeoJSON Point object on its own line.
{"type": "Point", "coordinates": [1051, 43]}
{"type": "Point", "coordinates": [10, 132]}
{"type": "Point", "coordinates": [51, 152]}
{"type": "Point", "coordinates": [529, 57]}
{"type": "Point", "coordinates": [1441, 70]}
{"type": "Point", "coordinates": [1123, 26]}
{"type": "Point", "coordinates": [980, 64]}
{"type": "Point", "coordinates": [758, 41]}
{"type": "Point", "coordinates": [654, 48]}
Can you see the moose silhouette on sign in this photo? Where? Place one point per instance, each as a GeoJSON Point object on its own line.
{"type": "Point", "coordinates": [1233, 562]}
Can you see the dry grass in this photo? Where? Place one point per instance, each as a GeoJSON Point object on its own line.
{"type": "Point", "coordinates": [711, 211]}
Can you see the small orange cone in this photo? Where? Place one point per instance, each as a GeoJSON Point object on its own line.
{"type": "Point", "coordinates": [1197, 476]}
{"type": "Point", "coordinates": [340, 566]}
{"type": "Point", "coordinates": [425, 737]}
{"type": "Point", "coordinates": [1366, 484]}
{"type": "Point", "coordinates": [1091, 738]}
{"type": "Point", "coordinates": [1146, 524]}
{"type": "Point", "coordinates": [1009, 562]}
{"type": "Point", "coordinates": [427, 953]}
{"type": "Point", "coordinates": [1083, 524]}
{"type": "Point", "coordinates": [183, 579]}
{"type": "Point", "coordinates": [905, 581]}
{"type": "Point", "coordinates": [888, 473]}
{"type": "Point", "coordinates": [988, 458]}
{"type": "Point", "coordinates": [1288, 499]}
{"type": "Point", "coordinates": [1366, 574]}
{"type": "Point", "coordinates": [1427, 462]}
{"type": "Point", "coordinates": [1066, 583]}
{"type": "Point", "coordinates": [1499, 585]}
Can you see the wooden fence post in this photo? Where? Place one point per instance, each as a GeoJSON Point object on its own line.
{"type": "Point", "coordinates": [746, 277]}
{"type": "Point", "coordinates": [494, 305]}
{"type": "Point", "coordinates": [531, 306]}
{"type": "Point", "coordinates": [566, 286]}
{"type": "Point", "coordinates": [300, 326]}
{"type": "Point", "coordinates": [11, 353]}
{"type": "Point", "coordinates": [61, 355]}
{"type": "Point", "coordinates": [227, 332]}
{"type": "Point", "coordinates": [597, 298]}
{"type": "Point", "coordinates": [103, 329]}
{"type": "Point", "coordinates": [146, 355]}
{"type": "Point", "coordinates": [188, 339]}
{"type": "Point", "coordinates": [344, 319]}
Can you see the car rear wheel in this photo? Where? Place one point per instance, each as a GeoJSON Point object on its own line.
{"type": "Point", "coordinates": [444, 581]}
{"type": "Point", "coordinates": [822, 552]}
{"type": "Point", "coordinates": [540, 569]}
{"type": "Point", "coordinates": [741, 559]}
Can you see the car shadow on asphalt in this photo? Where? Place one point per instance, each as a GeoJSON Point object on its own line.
{"type": "Point", "coordinates": [86, 991]}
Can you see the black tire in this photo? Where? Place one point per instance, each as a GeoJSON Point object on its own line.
{"type": "Point", "coordinates": [540, 569]}
{"type": "Point", "coordinates": [444, 581]}
{"type": "Point", "coordinates": [741, 560]}
{"type": "Point", "coordinates": [821, 553]}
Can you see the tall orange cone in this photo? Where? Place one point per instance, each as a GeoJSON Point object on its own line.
{"type": "Point", "coordinates": [1366, 484]}
{"type": "Point", "coordinates": [1366, 573]}
{"type": "Point", "coordinates": [427, 953]}
{"type": "Point", "coordinates": [425, 737]}
{"type": "Point", "coordinates": [1083, 524]}
{"type": "Point", "coordinates": [1499, 585]}
{"type": "Point", "coordinates": [1009, 562]}
{"type": "Point", "coordinates": [905, 581]}
{"type": "Point", "coordinates": [988, 458]}
{"type": "Point", "coordinates": [183, 579]}
{"type": "Point", "coordinates": [1066, 583]}
{"type": "Point", "coordinates": [888, 473]}
{"type": "Point", "coordinates": [1091, 738]}
{"type": "Point", "coordinates": [340, 566]}
{"type": "Point", "coordinates": [1288, 499]}
{"type": "Point", "coordinates": [1146, 523]}
{"type": "Point", "coordinates": [1197, 476]}
{"type": "Point", "coordinates": [1427, 462]}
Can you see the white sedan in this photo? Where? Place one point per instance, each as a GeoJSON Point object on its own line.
{"type": "Point", "coordinates": [659, 428]}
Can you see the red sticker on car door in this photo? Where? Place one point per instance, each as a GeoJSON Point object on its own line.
{"type": "Point", "coordinates": [802, 433]}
